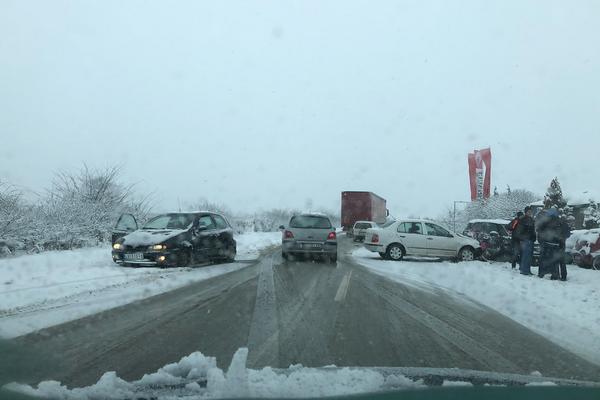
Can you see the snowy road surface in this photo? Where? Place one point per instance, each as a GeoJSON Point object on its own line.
{"type": "Point", "coordinates": [41, 290]}
{"type": "Point", "coordinates": [568, 313]}
{"type": "Point", "coordinates": [307, 313]}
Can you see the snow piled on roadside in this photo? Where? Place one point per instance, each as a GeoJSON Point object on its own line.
{"type": "Point", "coordinates": [250, 245]}
{"type": "Point", "coordinates": [198, 377]}
{"type": "Point", "coordinates": [41, 290]}
{"type": "Point", "coordinates": [568, 313]}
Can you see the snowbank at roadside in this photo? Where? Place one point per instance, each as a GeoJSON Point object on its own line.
{"type": "Point", "coordinates": [568, 313]}
{"type": "Point", "coordinates": [41, 290]}
{"type": "Point", "coordinates": [250, 244]}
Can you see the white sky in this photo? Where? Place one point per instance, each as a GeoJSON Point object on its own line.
{"type": "Point", "coordinates": [269, 104]}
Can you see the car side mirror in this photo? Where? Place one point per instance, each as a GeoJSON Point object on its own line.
{"type": "Point", "coordinates": [281, 227]}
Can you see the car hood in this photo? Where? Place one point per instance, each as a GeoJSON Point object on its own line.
{"type": "Point", "coordinates": [468, 240]}
{"type": "Point", "coordinates": [198, 376]}
{"type": "Point", "coordinates": [148, 237]}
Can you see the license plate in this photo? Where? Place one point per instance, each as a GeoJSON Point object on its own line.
{"type": "Point", "coordinates": [134, 256]}
{"type": "Point", "coordinates": [311, 245]}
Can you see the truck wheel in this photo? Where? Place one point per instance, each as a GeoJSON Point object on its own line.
{"type": "Point", "coordinates": [395, 252]}
{"type": "Point", "coordinates": [333, 258]}
{"type": "Point", "coordinates": [285, 255]}
{"type": "Point", "coordinates": [383, 255]}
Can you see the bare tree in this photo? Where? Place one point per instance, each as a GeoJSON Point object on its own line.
{"type": "Point", "coordinates": [11, 209]}
{"type": "Point", "coordinates": [86, 204]}
{"type": "Point", "coordinates": [202, 204]}
{"type": "Point", "coordinates": [502, 206]}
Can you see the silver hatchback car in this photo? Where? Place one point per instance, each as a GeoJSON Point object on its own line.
{"type": "Point", "coordinates": [309, 234]}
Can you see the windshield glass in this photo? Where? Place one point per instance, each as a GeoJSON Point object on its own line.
{"type": "Point", "coordinates": [170, 221]}
{"type": "Point", "coordinates": [242, 198]}
{"type": "Point", "coordinates": [309, 221]}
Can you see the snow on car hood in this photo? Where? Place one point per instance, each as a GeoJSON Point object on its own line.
{"type": "Point", "coordinates": [198, 377]}
{"type": "Point", "coordinates": [147, 237]}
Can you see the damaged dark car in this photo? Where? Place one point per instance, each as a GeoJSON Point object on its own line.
{"type": "Point", "coordinates": [173, 240]}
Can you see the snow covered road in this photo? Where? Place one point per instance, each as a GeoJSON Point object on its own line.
{"type": "Point", "coordinates": [568, 313]}
{"type": "Point", "coordinates": [300, 312]}
{"type": "Point", "coordinates": [41, 290]}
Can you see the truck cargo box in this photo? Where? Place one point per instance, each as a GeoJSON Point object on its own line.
{"type": "Point", "coordinates": [362, 206]}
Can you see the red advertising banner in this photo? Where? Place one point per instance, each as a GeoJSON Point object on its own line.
{"type": "Point", "coordinates": [480, 173]}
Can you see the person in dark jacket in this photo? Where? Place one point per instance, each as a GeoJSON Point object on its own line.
{"type": "Point", "coordinates": [526, 235]}
{"type": "Point", "coordinates": [565, 230]}
{"type": "Point", "coordinates": [514, 240]}
{"type": "Point", "coordinates": [549, 235]}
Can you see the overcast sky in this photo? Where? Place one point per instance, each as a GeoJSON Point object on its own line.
{"type": "Point", "coordinates": [270, 104]}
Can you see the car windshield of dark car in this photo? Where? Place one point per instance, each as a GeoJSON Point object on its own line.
{"type": "Point", "coordinates": [310, 222]}
{"type": "Point", "coordinates": [169, 221]}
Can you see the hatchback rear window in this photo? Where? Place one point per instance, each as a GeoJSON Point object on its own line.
{"type": "Point", "coordinates": [310, 221]}
{"type": "Point", "coordinates": [362, 226]}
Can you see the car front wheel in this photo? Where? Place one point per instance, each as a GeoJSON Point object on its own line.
{"type": "Point", "coordinates": [395, 252]}
{"type": "Point", "coordinates": [183, 259]}
{"type": "Point", "coordinates": [466, 254]}
{"type": "Point", "coordinates": [231, 253]}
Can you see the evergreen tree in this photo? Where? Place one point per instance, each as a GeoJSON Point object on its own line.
{"type": "Point", "coordinates": [554, 198]}
{"type": "Point", "coordinates": [554, 195]}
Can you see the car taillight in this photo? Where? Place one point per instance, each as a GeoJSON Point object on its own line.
{"type": "Point", "coordinates": [331, 236]}
{"type": "Point", "coordinates": [288, 235]}
{"type": "Point", "coordinates": [375, 238]}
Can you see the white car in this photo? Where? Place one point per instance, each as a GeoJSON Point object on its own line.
{"type": "Point", "coordinates": [419, 237]}
{"type": "Point", "coordinates": [360, 229]}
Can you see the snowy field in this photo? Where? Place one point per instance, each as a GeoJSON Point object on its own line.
{"type": "Point", "coordinates": [568, 313]}
{"type": "Point", "coordinates": [41, 290]}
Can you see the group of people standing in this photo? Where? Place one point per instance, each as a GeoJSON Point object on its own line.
{"type": "Point", "coordinates": [551, 231]}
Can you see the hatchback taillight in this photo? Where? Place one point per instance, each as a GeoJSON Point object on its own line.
{"type": "Point", "coordinates": [375, 238]}
{"type": "Point", "coordinates": [288, 235]}
{"type": "Point", "coordinates": [331, 236]}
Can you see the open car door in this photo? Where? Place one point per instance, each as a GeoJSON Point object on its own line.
{"type": "Point", "coordinates": [125, 225]}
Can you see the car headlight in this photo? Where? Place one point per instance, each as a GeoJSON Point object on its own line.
{"type": "Point", "coordinates": [117, 246]}
{"type": "Point", "coordinates": [157, 247]}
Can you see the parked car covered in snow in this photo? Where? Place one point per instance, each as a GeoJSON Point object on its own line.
{"type": "Point", "coordinates": [173, 240]}
{"type": "Point", "coordinates": [494, 238]}
{"type": "Point", "coordinates": [419, 237]}
{"type": "Point", "coordinates": [586, 252]}
{"type": "Point", "coordinates": [360, 229]}
{"type": "Point", "coordinates": [478, 227]}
